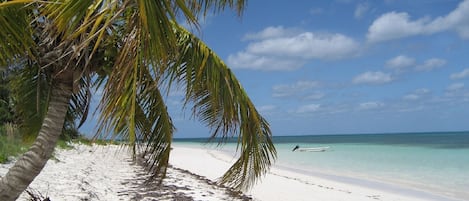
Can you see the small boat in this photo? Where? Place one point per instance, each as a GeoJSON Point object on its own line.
{"type": "Point", "coordinates": [310, 149]}
{"type": "Point", "coordinates": [313, 149]}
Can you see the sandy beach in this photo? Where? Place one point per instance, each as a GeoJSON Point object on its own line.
{"type": "Point", "coordinates": [108, 173]}
{"type": "Point", "coordinates": [281, 184]}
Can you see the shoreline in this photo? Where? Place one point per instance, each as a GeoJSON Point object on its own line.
{"type": "Point", "coordinates": [284, 183]}
{"type": "Point", "coordinates": [374, 184]}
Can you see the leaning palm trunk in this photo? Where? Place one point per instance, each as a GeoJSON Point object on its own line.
{"type": "Point", "coordinates": [31, 163]}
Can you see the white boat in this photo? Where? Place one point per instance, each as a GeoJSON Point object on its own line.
{"type": "Point", "coordinates": [312, 149]}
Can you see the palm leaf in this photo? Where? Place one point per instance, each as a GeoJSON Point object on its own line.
{"type": "Point", "coordinates": [223, 105]}
{"type": "Point", "coordinates": [159, 129]}
{"type": "Point", "coordinates": [15, 32]}
{"type": "Point", "coordinates": [31, 92]}
{"type": "Point", "coordinates": [132, 107]}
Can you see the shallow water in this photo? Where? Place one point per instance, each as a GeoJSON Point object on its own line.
{"type": "Point", "coordinates": [431, 162]}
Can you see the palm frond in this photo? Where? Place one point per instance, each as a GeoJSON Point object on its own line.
{"type": "Point", "coordinates": [132, 107]}
{"type": "Point", "coordinates": [205, 6]}
{"type": "Point", "coordinates": [159, 129]}
{"type": "Point", "coordinates": [15, 32]}
{"type": "Point", "coordinates": [68, 15]}
{"type": "Point", "coordinates": [118, 104]}
{"type": "Point", "coordinates": [31, 92]}
{"type": "Point", "coordinates": [81, 100]}
{"type": "Point", "coordinates": [222, 104]}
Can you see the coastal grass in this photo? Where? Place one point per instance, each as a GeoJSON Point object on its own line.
{"type": "Point", "coordinates": [10, 148]}
{"type": "Point", "coordinates": [10, 145]}
{"type": "Point", "coordinates": [89, 142]}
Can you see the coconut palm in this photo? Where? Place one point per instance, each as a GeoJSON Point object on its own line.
{"type": "Point", "coordinates": [136, 51]}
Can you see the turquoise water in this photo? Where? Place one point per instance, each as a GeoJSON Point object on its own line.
{"type": "Point", "coordinates": [431, 162]}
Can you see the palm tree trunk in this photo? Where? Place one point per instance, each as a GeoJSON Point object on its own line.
{"type": "Point", "coordinates": [30, 164]}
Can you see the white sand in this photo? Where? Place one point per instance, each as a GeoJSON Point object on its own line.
{"type": "Point", "coordinates": [283, 185]}
{"type": "Point", "coordinates": [105, 173]}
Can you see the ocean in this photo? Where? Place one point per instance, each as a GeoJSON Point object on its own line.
{"type": "Point", "coordinates": [417, 163]}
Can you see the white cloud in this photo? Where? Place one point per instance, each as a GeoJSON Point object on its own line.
{"type": "Point", "coordinates": [417, 94]}
{"type": "Point", "coordinates": [455, 87]}
{"type": "Point", "coordinates": [287, 90]}
{"type": "Point", "coordinates": [400, 62]}
{"type": "Point", "coordinates": [396, 25]}
{"type": "Point", "coordinates": [372, 78]}
{"type": "Point", "coordinates": [431, 64]}
{"type": "Point", "coordinates": [277, 48]}
{"type": "Point", "coordinates": [244, 60]}
{"type": "Point", "coordinates": [266, 108]}
{"type": "Point", "coordinates": [460, 75]}
{"type": "Point", "coordinates": [306, 45]}
{"type": "Point", "coordinates": [370, 105]}
{"type": "Point", "coordinates": [308, 108]}
{"type": "Point", "coordinates": [456, 19]}
{"type": "Point", "coordinates": [360, 10]}
{"type": "Point", "coordinates": [271, 32]}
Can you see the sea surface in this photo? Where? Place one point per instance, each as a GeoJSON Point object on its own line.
{"type": "Point", "coordinates": [418, 163]}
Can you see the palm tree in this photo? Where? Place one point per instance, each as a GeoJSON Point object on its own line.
{"type": "Point", "coordinates": [136, 51]}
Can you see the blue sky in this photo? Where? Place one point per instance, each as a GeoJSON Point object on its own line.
{"type": "Point", "coordinates": [345, 66]}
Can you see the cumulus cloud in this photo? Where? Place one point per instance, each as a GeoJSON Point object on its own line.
{"type": "Point", "coordinates": [277, 48]}
{"type": "Point", "coordinates": [460, 75]}
{"type": "Point", "coordinates": [400, 62]}
{"type": "Point", "coordinates": [431, 64]}
{"type": "Point", "coordinates": [372, 78]}
{"type": "Point", "coordinates": [396, 25]}
{"type": "Point", "coordinates": [392, 26]}
{"type": "Point", "coordinates": [287, 90]}
{"type": "Point", "coordinates": [246, 60]}
{"type": "Point", "coordinates": [361, 10]}
{"type": "Point", "coordinates": [306, 45]}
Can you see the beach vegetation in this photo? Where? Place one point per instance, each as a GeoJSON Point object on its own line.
{"type": "Point", "coordinates": [62, 144]}
{"type": "Point", "coordinates": [11, 145]}
{"type": "Point", "coordinates": [135, 52]}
